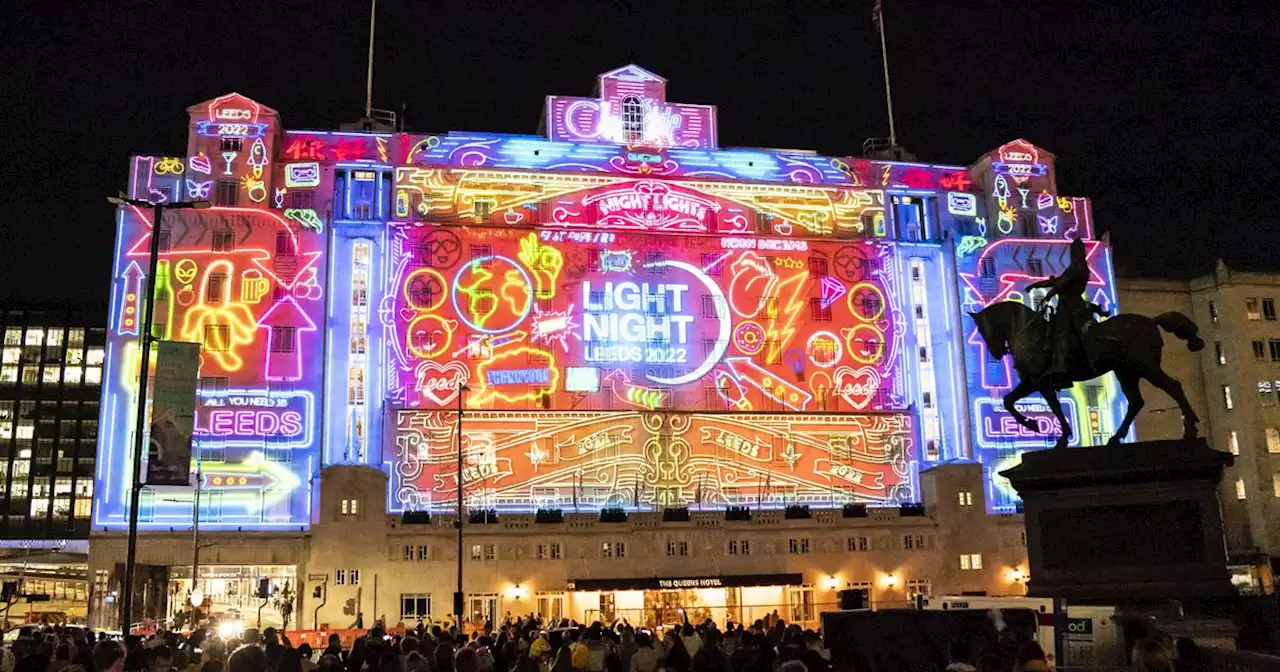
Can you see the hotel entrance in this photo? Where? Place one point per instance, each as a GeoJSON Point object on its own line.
{"type": "Point", "coordinates": [664, 603]}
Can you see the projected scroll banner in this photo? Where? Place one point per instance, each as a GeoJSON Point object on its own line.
{"type": "Point", "coordinates": [565, 320]}
{"type": "Point", "coordinates": [523, 461]}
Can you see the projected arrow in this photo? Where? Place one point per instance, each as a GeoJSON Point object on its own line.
{"type": "Point", "coordinates": [247, 482]}
{"type": "Point", "coordinates": [131, 299]}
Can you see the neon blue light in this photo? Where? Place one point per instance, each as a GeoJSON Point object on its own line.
{"type": "Point", "coordinates": [464, 315]}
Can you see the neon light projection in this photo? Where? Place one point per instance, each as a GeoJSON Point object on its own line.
{"type": "Point", "coordinates": [650, 459]}
{"type": "Point", "coordinates": [251, 305]}
{"type": "Point", "coordinates": [999, 271]}
{"type": "Point", "coordinates": [632, 110]}
{"type": "Point", "coordinates": [693, 323]}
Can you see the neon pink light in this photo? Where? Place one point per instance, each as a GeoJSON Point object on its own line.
{"type": "Point", "coordinates": [285, 365]}
{"type": "Point", "coordinates": [233, 107]}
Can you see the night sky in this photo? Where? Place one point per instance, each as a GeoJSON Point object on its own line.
{"type": "Point", "coordinates": [1162, 112]}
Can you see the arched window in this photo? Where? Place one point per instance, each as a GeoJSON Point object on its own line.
{"type": "Point", "coordinates": [632, 120]}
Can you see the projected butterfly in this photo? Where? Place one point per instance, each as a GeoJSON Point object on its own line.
{"type": "Point", "coordinates": [198, 189]}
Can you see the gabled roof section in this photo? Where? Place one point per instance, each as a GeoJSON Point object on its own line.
{"type": "Point", "coordinates": [632, 72]}
{"type": "Point", "coordinates": [232, 107]}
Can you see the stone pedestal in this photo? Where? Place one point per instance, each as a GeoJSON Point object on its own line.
{"type": "Point", "coordinates": [1136, 522]}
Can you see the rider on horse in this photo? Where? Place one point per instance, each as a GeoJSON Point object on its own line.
{"type": "Point", "coordinates": [1071, 317]}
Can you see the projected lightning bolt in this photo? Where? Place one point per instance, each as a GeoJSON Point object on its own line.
{"type": "Point", "coordinates": [788, 313]}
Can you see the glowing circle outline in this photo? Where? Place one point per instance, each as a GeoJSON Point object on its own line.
{"type": "Point", "coordinates": [722, 314]}
{"type": "Point", "coordinates": [528, 285]}
{"type": "Point", "coordinates": [835, 359]}
{"type": "Point", "coordinates": [853, 291]}
{"type": "Point", "coordinates": [408, 297]}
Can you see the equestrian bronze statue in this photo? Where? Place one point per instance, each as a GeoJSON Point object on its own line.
{"type": "Point", "coordinates": [1054, 348]}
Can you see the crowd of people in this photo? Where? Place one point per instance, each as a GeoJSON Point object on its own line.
{"type": "Point", "coordinates": [519, 645]}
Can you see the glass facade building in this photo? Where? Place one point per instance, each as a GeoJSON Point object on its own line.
{"type": "Point", "coordinates": [50, 384]}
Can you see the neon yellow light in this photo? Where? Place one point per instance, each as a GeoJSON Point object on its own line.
{"type": "Point", "coordinates": [219, 343]}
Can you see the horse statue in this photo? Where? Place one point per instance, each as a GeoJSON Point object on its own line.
{"type": "Point", "coordinates": [1128, 345]}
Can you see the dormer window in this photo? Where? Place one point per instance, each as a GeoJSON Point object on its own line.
{"type": "Point", "coordinates": [632, 120]}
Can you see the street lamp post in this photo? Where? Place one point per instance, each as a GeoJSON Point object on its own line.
{"type": "Point", "coordinates": [458, 596]}
{"type": "Point", "coordinates": [144, 341]}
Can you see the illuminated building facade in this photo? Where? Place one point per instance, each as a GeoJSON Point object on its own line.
{"type": "Point", "coordinates": [641, 319]}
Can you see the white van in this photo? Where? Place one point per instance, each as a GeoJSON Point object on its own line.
{"type": "Point", "coordinates": [1093, 637]}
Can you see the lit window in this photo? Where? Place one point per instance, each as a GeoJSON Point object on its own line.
{"type": "Point", "coordinates": [970, 561]}
{"type": "Point", "coordinates": [632, 120]}
{"type": "Point", "coordinates": [1240, 493]}
{"type": "Point", "coordinates": [477, 552]}
{"type": "Point", "coordinates": [1226, 397]}
{"type": "Point", "coordinates": [415, 607]}
{"type": "Point", "coordinates": [51, 375]}
{"type": "Point", "coordinates": [95, 357]}
{"type": "Point", "coordinates": [1275, 483]}
{"type": "Point", "coordinates": [93, 375]}
{"type": "Point", "coordinates": [966, 498]}
{"type": "Point", "coordinates": [1219, 353]}
{"type": "Point", "coordinates": [1251, 309]}
{"type": "Point", "coordinates": [350, 507]}
{"type": "Point", "coordinates": [1233, 443]}
{"type": "Point", "coordinates": [283, 339]}
{"type": "Point", "coordinates": [1213, 312]}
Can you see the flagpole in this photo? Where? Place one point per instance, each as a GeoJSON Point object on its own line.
{"type": "Point", "coordinates": [878, 16]}
{"type": "Point", "coordinates": [368, 82]}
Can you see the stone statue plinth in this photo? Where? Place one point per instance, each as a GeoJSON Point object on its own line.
{"type": "Point", "coordinates": [1138, 521]}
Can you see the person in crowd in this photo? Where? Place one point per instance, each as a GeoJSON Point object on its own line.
{"type": "Point", "coordinates": [814, 655]}
{"type": "Point", "coordinates": [678, 658]}
{"type": "Point", "coordinates": [1150, 655]}
{"type": "Point", "coordinates": [1031, 658]}
{"type": "Point", "coordinates": [466, 660]}
{"type": "Point", "coordinates": [304, 658]}
{"type": "Point", "coordinates": [958, 657]}
{"type": "Point", "coordinates": [247, 658]}
{"type": "Point", "coordinates": [356, 659]}
{"type": "Point", "coordinates": [108, 657]}
{"type": "Point", "coordinates": [710, 657]}
{"type": "Point", "coordinates": [647, 657]}
{"type": "Point", "coordinates": [1189, 657]}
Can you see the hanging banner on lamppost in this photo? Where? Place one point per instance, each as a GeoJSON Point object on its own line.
{"type": "Point", "coordinates": [173, 403]}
